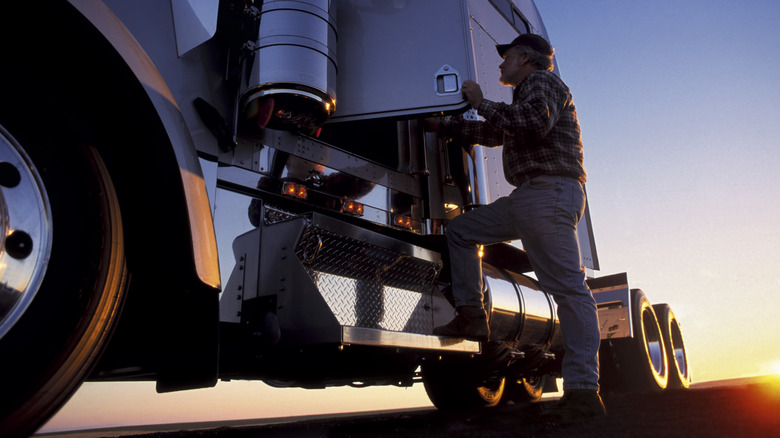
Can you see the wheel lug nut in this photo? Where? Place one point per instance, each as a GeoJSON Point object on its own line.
{"type": "Point", "coordinates": [19, 245]}
{"type": "Point", "coordinates": [9, 175]}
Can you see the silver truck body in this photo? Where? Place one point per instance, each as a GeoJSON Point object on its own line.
{"type": "Point", "coordinates": [281, 204]}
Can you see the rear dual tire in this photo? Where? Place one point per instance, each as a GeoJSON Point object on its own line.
{"type": "Point", "coordinates": [639, 363]}
{"type": "Point", "coordinates": [676, 354]}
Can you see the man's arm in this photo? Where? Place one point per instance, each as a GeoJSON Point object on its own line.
{"type": "Point", "coordinates": [533, 113]}
{"type": "Point", "coordinates": [472, 132]}
{"type": "Point", "coordinates": [468, 131]}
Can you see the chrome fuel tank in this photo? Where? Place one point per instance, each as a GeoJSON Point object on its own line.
{"type": "Point", "coordinates": [519, 312]}
{"type": "Point", "coordinates": [295, 64]}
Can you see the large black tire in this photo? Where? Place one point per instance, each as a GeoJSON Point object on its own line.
{"type": "Point", "coordinates": [676, 354]}
{"type": "Point", "coordinates": [461, 384]}
{"type": "Point", "coordinates": [63, 235]}
{"type": "Point", "coordinates": [636, 364]}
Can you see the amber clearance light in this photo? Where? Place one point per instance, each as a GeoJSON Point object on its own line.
{"type": "Point", "coordinates": [402, 221]}
{"type": "Point", "coordinates": [294, 190]}
{"type": "Point", "coordinates": [353, 208]}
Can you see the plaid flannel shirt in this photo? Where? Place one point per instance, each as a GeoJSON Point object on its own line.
{"type": "Point", "coordinates": [539, 130]}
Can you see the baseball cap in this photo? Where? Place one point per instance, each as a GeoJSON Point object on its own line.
{"type": "Point", "coordinates": [533, 41]}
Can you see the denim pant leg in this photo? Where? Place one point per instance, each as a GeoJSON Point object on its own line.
{"type": "Point", "coordinates": [488, 224]}
{"type": "Point", "coordinates": [547, 210]}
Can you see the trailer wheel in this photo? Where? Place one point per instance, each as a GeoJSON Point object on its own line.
{"type": "Point", "coordinates": [677, 356]}
{"type": "Point", "coordinates": [63, 271]}
{"type": "Point", "coordinates": [459, 384]}
{"type": "Point", "coordinates": [636, 364]}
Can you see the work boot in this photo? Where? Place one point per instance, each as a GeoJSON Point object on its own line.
{"type": "Point", "coordinates": [470, 322]}
{"type": "Point", "coordinates": [576, 405]}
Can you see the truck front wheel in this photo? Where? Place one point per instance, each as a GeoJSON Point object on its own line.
{"type": "Point", "coordinates": [62, 266]}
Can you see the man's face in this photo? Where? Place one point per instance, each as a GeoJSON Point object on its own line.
{"type": "Point", "coordinates": [512, 69]}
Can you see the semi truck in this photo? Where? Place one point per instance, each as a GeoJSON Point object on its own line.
{"type": "Point", "coordinates": [205, 190]}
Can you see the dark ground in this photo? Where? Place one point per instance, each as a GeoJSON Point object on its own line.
{"type": "Point", "coordinates": [749, 409]}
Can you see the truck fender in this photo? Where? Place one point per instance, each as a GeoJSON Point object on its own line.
{"type": "Point", "coordinates": [204, 247]}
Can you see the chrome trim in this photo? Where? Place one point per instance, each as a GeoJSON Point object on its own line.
{"type": "Point", "coordinates": [613, 301]}
{"type": "Point", "coordinates": [614, 322]}
{"type": "Point", "coordinates": [446, 81]}
{"type": "Point", "coordinates": [378, 203]}
{"type": "Point", "coordinates": [381, 338]}
{"type": "Point", "coordinates": [25, 231]}
{"type": "Point", "coordinates": [296, 61]}
{"type": "Point", "coordinates": [401, 247]}
{"type": "Point", "coordinates": [322, 153]}
{"type": "Point", "coordinates": [480, 194]}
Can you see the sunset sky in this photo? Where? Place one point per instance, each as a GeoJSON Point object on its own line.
{"type": "Point", "coordinates": [679, 103]}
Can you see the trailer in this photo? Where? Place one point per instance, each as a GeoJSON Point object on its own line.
{"type": "Point", "coordinates": [235, 189]}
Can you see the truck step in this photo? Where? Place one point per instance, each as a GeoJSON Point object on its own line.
{"type": "Point", "coordinates": [384, 338]}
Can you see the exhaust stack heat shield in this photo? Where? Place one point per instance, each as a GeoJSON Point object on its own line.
{"type": "Point", "coordinates": [295, 64]}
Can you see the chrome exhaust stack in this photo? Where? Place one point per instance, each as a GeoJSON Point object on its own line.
{"type": "Point", "coordinates": [293, 73]}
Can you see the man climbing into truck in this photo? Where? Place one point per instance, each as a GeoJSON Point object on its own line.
{"type": "Point", "coordinates": [543, 159]}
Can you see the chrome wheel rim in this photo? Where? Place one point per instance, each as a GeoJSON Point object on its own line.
{"type": "Point", "coordinates": [654, 342]}
{"type": "Point", "coordinates": [25, 231]}
{"type": "Point", "coordinates": [678, 349]}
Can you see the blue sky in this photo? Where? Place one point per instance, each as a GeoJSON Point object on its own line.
{"type": "Point", "coordinates": [678, 106]}
{"type": "Point", "coordinates": [678, 102]}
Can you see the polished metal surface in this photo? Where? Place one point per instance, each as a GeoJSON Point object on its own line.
{"type": "Point", "coordinates": [334, 175]}
{"type": "Point", "coordinates": [369, 280]}
{"type": "Point", "coordinates": [505, 306]}
{"type": "Point", "coordinates": [678, 351]}
{"type": "Point", "coordinates": [319, 152]}
{"type": "Point", "coordinates": [373, 305]}
{"type": "Point", "coordinates": [296, 62]}
{"type": "Point", "coordinates": [653, 340]}
{"type": "Point", "coordinates": [540, 324]}
{"type": "Point", "coordinates": [613, 301]}
{"type": "Point", "coordinates": [367, 336]}
{"type": "Point", "coordinates": [25, 231]}
{"type": "Point", "coordinates": [478, 181]}
{"type": "Point", "coordinates": [334, 273]}
{"type": "Point", "coordinates": [519, 311]}
{"type": "Point", "coordinates": [614, 322]}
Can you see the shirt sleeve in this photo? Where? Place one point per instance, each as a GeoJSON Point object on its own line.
{"type": "Point", "coordinates": [532, 114]}
{"type": "Point", "coordinates": [472, 132]}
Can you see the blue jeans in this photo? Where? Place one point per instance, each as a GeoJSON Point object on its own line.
{"type": "Point", "coordinates": [543, 212]}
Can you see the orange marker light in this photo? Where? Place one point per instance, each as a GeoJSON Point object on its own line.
{"type": "Point", "coordinates": [352, 207]}
{"type": "Point", "coordinates": [402, 221]}
{"type": "Point", "coordinates": [294, 190]}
